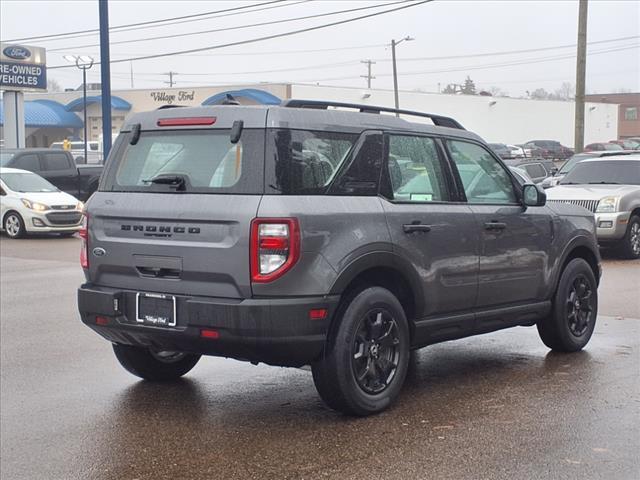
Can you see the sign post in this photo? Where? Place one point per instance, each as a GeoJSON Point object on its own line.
{"type": "Point", "coordinates": [21, 68]}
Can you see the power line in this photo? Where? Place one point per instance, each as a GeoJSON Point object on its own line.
{"type": "Point", "coordinates": [487, 66]}
{"type": "Point", "coordinates": [171, 80]}
{"type": "Point", "coordinates": [260, 39]}
{"type": "Point", "coordinates": [127, 26]}
{"type": "Point", "coordinates": [225, 29]}
{"type": "Point", "coordinates": [262, 53]}
{"type": "Point", "coordinates": [510, 52]}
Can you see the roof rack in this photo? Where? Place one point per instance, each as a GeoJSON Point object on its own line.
{"type": "Point", "coordinates": [438, 120]}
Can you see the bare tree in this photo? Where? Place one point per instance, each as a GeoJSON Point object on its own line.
{"type": "Point", "coordinates": [567, 91]}
{"type": "Point", "coordinates": [53, 85]}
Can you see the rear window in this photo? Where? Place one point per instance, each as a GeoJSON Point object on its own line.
{"type": "Point", "coordinates": [207, 159]}
{"type": "Point", "coordinates": [304, 162]}
{"type": "Point", "coordinates": [56, 161]}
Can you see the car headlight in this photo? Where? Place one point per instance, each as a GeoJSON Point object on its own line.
{"type": "Point", "coordinates": [37, 206]}
{"type": "Point", "coordinates": [607, 205]}
{"type": "Point", "coordinates": [80, 206]}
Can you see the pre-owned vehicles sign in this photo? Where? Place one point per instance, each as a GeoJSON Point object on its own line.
{"type": "Point", "coordinates": [22, 67]}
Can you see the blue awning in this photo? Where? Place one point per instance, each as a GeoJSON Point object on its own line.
{"type": "Point", "coordinates": [259, 96]}
{"type": "Point", "coordinates": [117, 103]}
{"type": "Point", "coordinates": [46, 113]}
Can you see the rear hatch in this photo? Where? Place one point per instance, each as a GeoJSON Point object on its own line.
{"type": "Point", "coordinates": [174, 207]}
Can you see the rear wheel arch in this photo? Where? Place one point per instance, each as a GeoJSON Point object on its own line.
{"type": "Point", "coordinates": [386, 270]}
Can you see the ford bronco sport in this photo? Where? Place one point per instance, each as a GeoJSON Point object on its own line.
{"type": "Point", "coordinates": [308, 234]}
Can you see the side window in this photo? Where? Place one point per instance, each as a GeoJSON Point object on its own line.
{"type": "Point", "coordinates": [484, 180]}
{"type": "Point", "coordinates": [535, 170]}
{"type": "Point", "coordinates": [415, 170]}
{"type": "Point", "coordinates": [362, 175]}
{"type": "Point", "coordinates": [2, 192]}
{"type": "Point", "coordinates": [27, 162]}
{"type": "Point", "coordinates": [56, 161]}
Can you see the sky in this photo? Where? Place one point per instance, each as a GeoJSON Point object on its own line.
{"type": "Point", "coordinates": [488, 37]}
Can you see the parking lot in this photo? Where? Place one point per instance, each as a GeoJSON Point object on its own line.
{"type": "Point", "coordinates": [495, 406]}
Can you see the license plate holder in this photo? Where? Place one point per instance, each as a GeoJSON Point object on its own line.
{"type": "Point", "coordinates": [156, 309]}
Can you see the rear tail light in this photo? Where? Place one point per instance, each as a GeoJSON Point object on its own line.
{"type": "Point", "coordinates": [275, 247]}
{"type": "Point", "coordinates": [84, 248]}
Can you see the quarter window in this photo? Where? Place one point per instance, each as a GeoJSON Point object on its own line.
{"type": "Point", "coordinates": [631, 113]}
{"type": "Point", "coordinates": [484, 179]}
{"type": "Point", "coordinates": [415, 170]}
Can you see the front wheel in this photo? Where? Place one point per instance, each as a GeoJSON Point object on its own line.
{"type": "Point", "coordinates": [161, 366]}
{"type": "Point", "coordinates": [629, 246]}
{"type": "Point", "coordinates": [365, 360]}
{"type": "Point", "coordinates": [14, 225]}
{"type": "Point", "coordinates": [570, 324]}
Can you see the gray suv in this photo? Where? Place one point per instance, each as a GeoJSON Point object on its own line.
{"type": "Point", "coordinates": [305, 234]}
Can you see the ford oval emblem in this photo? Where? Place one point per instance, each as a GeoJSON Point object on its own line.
{"type": "Point", "coordinates": [16, 52]}
{"type": "Point", "coordinates": [99, 252]}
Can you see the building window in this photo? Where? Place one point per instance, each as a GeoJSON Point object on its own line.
{"type": "Point", "coordinates": [631, 113]}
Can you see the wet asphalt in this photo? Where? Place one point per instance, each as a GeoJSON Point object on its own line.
{"type": "Point", "coordinates": [498, 406]}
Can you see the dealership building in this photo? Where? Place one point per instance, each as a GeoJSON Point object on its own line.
{"type": "Point", "coordinates": [51, 117]}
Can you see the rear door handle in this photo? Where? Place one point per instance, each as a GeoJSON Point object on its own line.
{"type": "Point", "coordinates": [416, 228]}
{"type": "Point", "coordinates": [495, 226]}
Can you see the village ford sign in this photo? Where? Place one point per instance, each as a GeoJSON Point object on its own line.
{"type": "Point", "coordinates": [22, 68]}
{"type": "Point", "coordinates": [16, 52]}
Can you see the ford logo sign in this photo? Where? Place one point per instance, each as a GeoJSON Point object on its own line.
{"type": "Point", "coordinates": [99, 252]}
{"type": "Point", "coordinates": [17, 53]}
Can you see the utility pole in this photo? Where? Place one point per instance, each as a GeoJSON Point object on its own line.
{"type": "Point", "coordinates": [581, 67]}
{"type": "Point", "coordinates": [368, 75]}
{"type": "Point", "coordinates": [105, 72]}
{"type": "Point", "coordinates": [131, 70]}
{"type": "Point", "coordinates": [394, 43]}
{"type": "Point", "coordinates": [171, 81]}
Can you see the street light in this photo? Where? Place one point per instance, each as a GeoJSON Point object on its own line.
{"type": "Point", "coordinates": [395, 69]}
{"type": "Point", "coordinates": [84, 63]}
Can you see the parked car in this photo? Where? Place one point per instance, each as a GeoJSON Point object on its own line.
{"type": "Point", "coordinates": [549, 149]}
{"type": "Point", "coordinates": [517, 151]}
{"type": "Point", "coordinates": [30, 204]}
{"type": "Point", "coordinates": [602, 147]}
{"type": "Point", "coordinates": [331, 238]}
{"type": "Point", "coordinates": [56, 166]}
{"type": "Point", "coordinates": [501, 150]}
{"type": "Point", "coordinates": [521, 175]}
{"type": "Point", "coordinates": [627, 144]}
{"type": "Point", "coordinates": [573, 161]}
{"type": "Point", "coordinates": [610, 188]}
{"type": "Point", "coordinates": [538, 169]}
{"type": "Point", "coordinates": [94, 154]}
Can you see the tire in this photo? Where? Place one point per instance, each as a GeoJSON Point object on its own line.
{"type": "Point", "coordinates": [570, 324]}
{"type": "Point", "coordinates": [14, 225]}
{"type": "Point", "coordinates": [629, 246]}
{"type": "Point", "coordinates": [146, 364]}
{"type": "Point", "coordinates": [363, 367]}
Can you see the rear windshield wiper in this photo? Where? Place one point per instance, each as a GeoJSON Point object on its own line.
{"type": "Point", "coordinates": [176, 181]}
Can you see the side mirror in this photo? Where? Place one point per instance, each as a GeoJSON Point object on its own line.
{"type": "Point", "coordinates": [533, 195]}
{"type": "Point", "coordinates": [554, 170]}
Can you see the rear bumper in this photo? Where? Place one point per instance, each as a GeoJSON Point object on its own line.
{"type": "Point", "coordinates": [274, 331]}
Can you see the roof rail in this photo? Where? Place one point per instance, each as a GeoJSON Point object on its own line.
{"type": "Point", "coordinates": [439, 120]}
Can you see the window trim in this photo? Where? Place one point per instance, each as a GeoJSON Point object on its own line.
{"type": "Point", "coordinates": [385, 182]}
{"type": "Point", "coordinates": [514, 182]}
